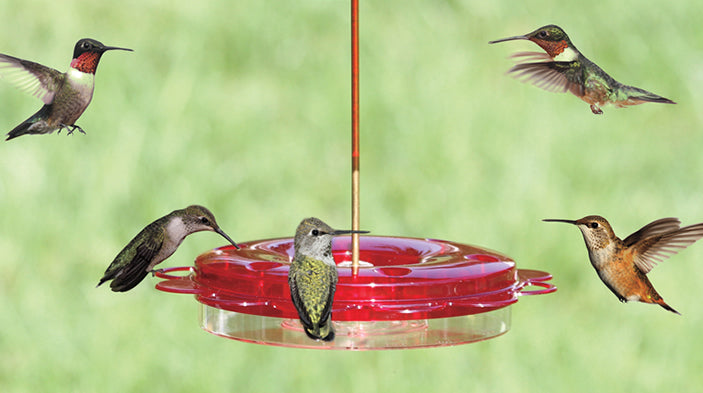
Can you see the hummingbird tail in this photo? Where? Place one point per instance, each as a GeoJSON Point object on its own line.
{"type": "Point", "coordinates": [19, 130]}
{"type": "Point", "coordinates": [26, 126]}
{"type": "Point", "coordinates": [635, 95]}
{"type": "Point", "coordinates": [126, 278]}
{"type": "Point", "coordinates": [324, 332]}
{"type": "Point", "coordinates": [667, 307]}
{"type": "Point", "coordinates": [124, 283]}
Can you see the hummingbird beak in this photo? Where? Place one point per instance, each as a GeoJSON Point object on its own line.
{"type": "Point", "coordinates": [107, 48]}
{"type": "Point", "coordinates": [517, 37]}
{"type": "Point", "coordinates": [559, 220]}
{"type": "Point", "coordinates": [221, 232]}
{"type": "Point", "coordinates": [335, 232]}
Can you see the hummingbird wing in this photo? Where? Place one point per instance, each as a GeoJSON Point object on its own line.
{"type": "Point", "coordinates": [658, 227]}
{"type": "Point", "coordinates": [134, 272]}
{"type": "Point", "coordinates": [554, 76]}
{"type": "Point", "coordinates": [129, 267]}
{"type": "Point", "coordinates": [528, 57]}
{"type": "Point", "coordinates": [657, 248]}
{"type": "Point", "coordinates": [33, 78]}
{"type": "Point", "coordinates": [298, 301]}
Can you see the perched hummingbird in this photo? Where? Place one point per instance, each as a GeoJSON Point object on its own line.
{"type": "Point", "coordinates": [313, 277]}
{"type": "Point", "coordinates": [622, 265]}
{"type": "Point", "coordinates": [563, 68]}
{"type": "Point", "coordinates": [157, 242]}
{"type": "Point", "coordinates": [65, 95]}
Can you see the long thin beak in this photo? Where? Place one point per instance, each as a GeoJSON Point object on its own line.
{"type": "Point", "coordinates": [335, 232]}
{"type": "Point", "coordinates": [559, 220]}
{"type": "Point", "coordinates": [221, 232]}
{"type": "Point", "coordinates": [517, 37]}
{"type": "Point", "coordinates": [107, 48]}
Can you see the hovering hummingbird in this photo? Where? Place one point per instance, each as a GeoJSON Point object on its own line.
{"type": "Point", "coordinates": [563, 68]}
{"type": "Point", "coordinates": [65, 95]}
{"type": "Point", "coordinates": [157, 242]}
{"type": "Point", "coordinates": [622, 265]}
{"type": "Point", "coordinates": [313, 277]}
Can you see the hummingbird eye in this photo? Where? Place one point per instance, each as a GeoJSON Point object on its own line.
{"type": "Point", "coordinates": [542, 34]}
{"type": "Point", "coordinates": [204, 221]}
{"type": "Point", "coordinates": [315, 232]}
{"type": "Point", "coordinates": [593, 225]}
{"type": "Point", "coordinates": [86, 45]}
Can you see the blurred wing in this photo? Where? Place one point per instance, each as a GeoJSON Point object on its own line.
{"type": "Point", "coordinates": [655, 249]}
{"type": "Point", "coordinates": [529, 57]}
{"type": "Point", "coordinates": [554, 76]}
{"type": "Point", "coordinates": [654, 228]}
{"type": "Point", "coordinates": [33, 78]}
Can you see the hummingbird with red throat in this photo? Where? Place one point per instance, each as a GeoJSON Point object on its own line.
{"type": "Point", "coordinates": [563, 68]}
{"type": "Point", "coordinates": [623, 265]}
{"type": "Point", "coordinates": [65, 95]}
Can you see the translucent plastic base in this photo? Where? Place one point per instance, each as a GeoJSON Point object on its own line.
{"type": "Point", "coordinates": [355, 335]}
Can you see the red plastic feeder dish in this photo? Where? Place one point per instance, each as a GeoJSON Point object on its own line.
{"type": "Point", "coordinates": [408, 293]}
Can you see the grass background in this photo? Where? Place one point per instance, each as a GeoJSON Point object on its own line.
{"type": "Point", "coordinates": [244, 107]}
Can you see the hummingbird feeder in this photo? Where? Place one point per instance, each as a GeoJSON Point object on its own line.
{"type": "Point", "coordinates": [408, 293]}
{"type": "Point", "coordinates": [392, 292]}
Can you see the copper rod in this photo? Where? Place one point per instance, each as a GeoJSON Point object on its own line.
{"type": "Point", "coordinates": [355, 133]}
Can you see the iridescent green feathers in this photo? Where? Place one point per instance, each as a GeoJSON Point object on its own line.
{"type": "Point", "coordinates": [563, 68]}
{"type": "Point", "coordinates": [312, 285]}
{"type": "Point", "coordinates": [156, 242]}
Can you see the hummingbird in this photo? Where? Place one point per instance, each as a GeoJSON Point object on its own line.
{"type": "Point", "coordinates": [65, 95]}
{"type": "Point", "coordinates": [313, 277]}
{"type": "Point", "coordinates": [563, 68]}
{"type": "Point", "coordinates": [157, 242]}
{"type": "Point", "coordinates": [623, 265]}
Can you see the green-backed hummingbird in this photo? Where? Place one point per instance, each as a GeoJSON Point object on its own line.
{"type": "Point", "coordinates": [313, 277]}
{"type": "Point", "coordinates": [623, 265]}
{"type": "Point", "coordinates": [65, 95]}
{"type": "Point", "coordinates": [157, 242]}
{"type": "Point", "coordinates": [563, 68]}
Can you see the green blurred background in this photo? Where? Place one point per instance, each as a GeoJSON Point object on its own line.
{"type": "Point", "coordinates": [243, 106]}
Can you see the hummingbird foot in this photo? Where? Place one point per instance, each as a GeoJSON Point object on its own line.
{"type": "Point", "coordinates": [596, 110]}
{"type": "Point", "coordinates": [154, 271]}
{"type": "Point", "coordinates": [73, 128]}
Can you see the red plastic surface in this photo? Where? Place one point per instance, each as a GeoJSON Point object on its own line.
{"type": "Point", "coordinates": [399, 279]}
